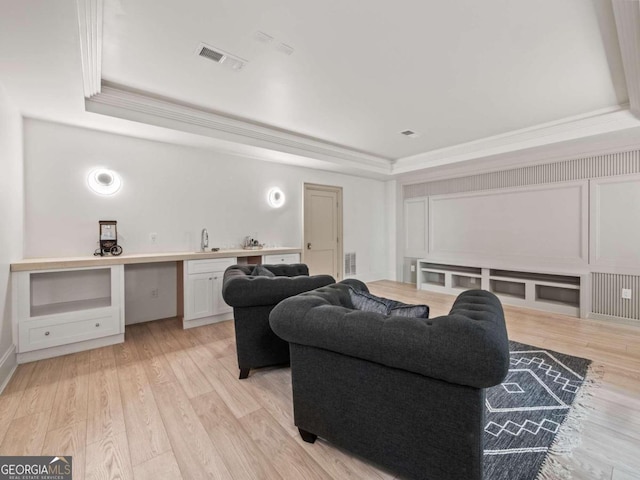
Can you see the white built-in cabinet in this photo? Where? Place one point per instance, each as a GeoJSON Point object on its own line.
{"type": "Point", "coordinates": [67, 310]}
{"type": "Point", "coordinates": [203, 302]}
{"type": "Point", "coordinates": [554, 292]}
{"type": "Point", "coordinates": [61, 308]}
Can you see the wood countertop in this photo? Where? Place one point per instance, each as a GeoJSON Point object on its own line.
{"type": "Point", "coordinates": [29, 264]}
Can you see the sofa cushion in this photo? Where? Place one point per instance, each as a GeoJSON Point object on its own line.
{"type": "Point", "coordinates": [369, 302]}
{"type": "Point", "coordinates": [260, 271]}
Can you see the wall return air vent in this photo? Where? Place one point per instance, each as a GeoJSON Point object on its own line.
{"type": "Point", "coordinates": [220, 57]}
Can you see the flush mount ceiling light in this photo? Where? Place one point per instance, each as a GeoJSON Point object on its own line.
{"type": "Point", "coordinates": [276, 197]}
{"type": "Point", "coordinates": [103, 181]}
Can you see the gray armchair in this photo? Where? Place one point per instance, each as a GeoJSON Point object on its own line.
{"type": "Point", "coordinates": [252, 299]}
{"type": "Point", "coordinates": [406, 393]}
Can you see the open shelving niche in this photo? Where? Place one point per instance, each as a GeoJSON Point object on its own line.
{"type": "Point", "coordinates": [542, 291]}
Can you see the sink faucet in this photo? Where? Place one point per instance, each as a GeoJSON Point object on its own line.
{"type": "Point", "coordinates": [204, 240]}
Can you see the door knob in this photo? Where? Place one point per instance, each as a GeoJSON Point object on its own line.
{"type": "Point", "coordinates": [308, 246]}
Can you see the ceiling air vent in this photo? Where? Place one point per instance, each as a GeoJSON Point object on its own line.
{"type": "Point", "coordinates": [220, 57]}
{"type": "Point", "coordinates": [409, 133]}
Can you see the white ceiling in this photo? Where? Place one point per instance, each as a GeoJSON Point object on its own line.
{"type": "Point", "coordinates": [456, 72]}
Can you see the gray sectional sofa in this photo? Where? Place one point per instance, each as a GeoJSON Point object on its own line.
{"type": "Point", "coordinates": [405, 393]}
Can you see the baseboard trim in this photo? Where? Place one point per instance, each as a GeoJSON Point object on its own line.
{"type": "Point", "coordinates": [610, 318]}
{"type": "Point", "coordinates": [70, 348]}
{"type": "Point", "coordinates": [199, 322]}
{"type": "Point", "coordinates": [8, 365]}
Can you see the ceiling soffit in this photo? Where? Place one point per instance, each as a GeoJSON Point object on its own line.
{"type": "Point", "coordinates": [120, 102]}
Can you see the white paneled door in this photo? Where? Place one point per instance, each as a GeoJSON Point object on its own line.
{"type": "Point", "coordinates": [323, 230]}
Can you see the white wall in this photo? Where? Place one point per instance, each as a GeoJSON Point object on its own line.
{"type": "Point", "coordinates": [175, 191]}
{"type": "Point", "coordinates": [391, 189]}
{"type": "Point", "coordinates": [11, 213]}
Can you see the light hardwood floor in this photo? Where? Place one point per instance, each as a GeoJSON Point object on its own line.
{"type": "Point", "coordinates": [167, 404]}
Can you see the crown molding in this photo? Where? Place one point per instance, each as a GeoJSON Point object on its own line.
{"type": "Point", "coordinates": [610, 143]}
{"type": "Point", "coordinates": [90, 27]}
{"type": "Point", "coordinates": [599, 122]}
{"type": "Point", "coordinates": [119, 102]}
{"type": "Point", "coordinates": [627, 15]}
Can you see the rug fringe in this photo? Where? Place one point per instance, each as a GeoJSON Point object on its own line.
{"type": "Point", "coordinates": [569, 435]}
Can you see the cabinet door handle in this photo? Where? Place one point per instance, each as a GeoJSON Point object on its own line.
{"type": "Point", "coordinates": [308, 246]}
{"type": "Point", "coordinates": [98, 324]}
{"type": "Point", "coordinates": [46, 333]}
{"type": "Point", "coordinates": [210, 278]}
{"type": "Point", "coordinates": [215, 278]}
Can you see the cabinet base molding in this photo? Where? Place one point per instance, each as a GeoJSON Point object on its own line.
{"type": "Point", "coordinates": [69, 348]}
{"type": "Point", "coordinates": [199, 322]}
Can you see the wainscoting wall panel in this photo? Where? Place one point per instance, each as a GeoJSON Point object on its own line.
{"type": "Point", "coordinates": [541, 225]}
{"type": "Point", "coordinates": [615, 222]}
{"type": "Point", "coordinates": [607, 299]}
{"type": "Point", "coordinates": [622, 163]}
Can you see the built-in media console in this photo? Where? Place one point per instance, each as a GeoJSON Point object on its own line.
{"type": "Point", "coordinates": [559, 293]}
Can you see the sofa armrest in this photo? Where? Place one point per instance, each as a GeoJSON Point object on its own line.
{"type": "Point", "coordinates": [467, 347]}
{"type": "Point", "coordinates": [248, 291]}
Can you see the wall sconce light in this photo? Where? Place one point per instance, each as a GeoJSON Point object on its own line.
{"type": "Point", "coordinates": [276, 197]}
{"type": "Point", "coordinates": [103, 181]}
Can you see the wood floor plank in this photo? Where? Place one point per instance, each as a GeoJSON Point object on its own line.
{"type": "Point", "coordinates": [71, 401]}
{"type": "Point", "coordinates": [241, 455]}
{"type": "Point", "coordinates": [25, 435]}
{"type": "Point", "coordinates": [275, 401]}
{"type": "Point", "coordinates": [188, 374]}
{"type": "Point", "coordinates": [9, 403]}
{"type": "Point", "coordinates": [284, 453]}
{"type": "Point", "coordinates": [223, 348]}
{"type": "Point", "coordinates": [126, 352]}
{"type": "Point", "coordinates": [228, 387]}
{"type": "Point", "coordinates": [105, 417]}
{"type": "Point", "coordinates": [197, 457]}
{"type": "Point", "coordinates": [160, 330]}
{"type": "Point", "coordinates": [41, 388]}
{"type": "Point", "coordinates": [155, 364]}
{"type": "Point", "coordinates": [163, 466]}
{"type": "Point", "coordinates": [108, 459]}
{"type": "Point", "coordinates": [145, 430]}
{"type": "Point", "coordinates": [20, 378]}
{"type": "Point", "coordinates": [68, 440]}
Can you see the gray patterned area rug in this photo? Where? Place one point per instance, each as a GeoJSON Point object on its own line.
{"type": "Point", "coordinates": [534, 415]}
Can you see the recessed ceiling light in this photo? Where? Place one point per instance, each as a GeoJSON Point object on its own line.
{"type": "Point", "coordinates": [409, 133]}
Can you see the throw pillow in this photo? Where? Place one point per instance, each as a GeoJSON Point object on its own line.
{"type": "Point", "coordinates": [405, 310]}
{"type": "Point", "coordinates": [368, 302]}
{"type": "Point", "coordinates": [371, 303]}
{"type": "Point", "coordinates": [260, 271]}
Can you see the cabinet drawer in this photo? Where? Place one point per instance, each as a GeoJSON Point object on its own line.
{"type": "Point", "coordinates": [287, 258]}
{"type": "Point", "coordinates": [210, 265]}
{"type": "Point", "coordinates": [51, 332]}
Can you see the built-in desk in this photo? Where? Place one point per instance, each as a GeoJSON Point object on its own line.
{"type": "Point", "coordinates": [69, 304]}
